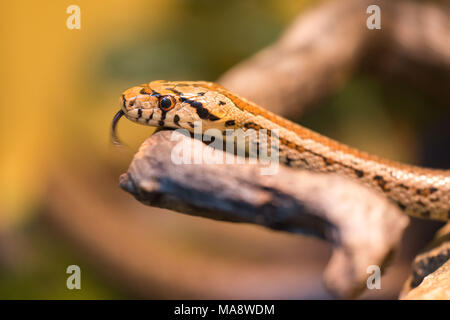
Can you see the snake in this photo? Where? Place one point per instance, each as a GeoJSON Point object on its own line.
{"type": "Point", "coordinates": [419, 192]}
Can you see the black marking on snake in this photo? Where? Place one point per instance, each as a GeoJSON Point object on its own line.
{"type": "Point", "coordinates": [359, 173]}
{"type": "Point", "coordinates": [191, 124]}
{"type": "Point", "coordinates": [143, 91]}
{"type": "Point", "coordinates": [193, 103]}
{"type": "Point", "coordinates": [230, 123]}
{"type": "Point", "coordinates": [421, 192]}
{"type": "Point", "coordinates": [139, 113]}
{"type": "Point", "coordinates": [288, 161]}
{"type": "Point", "coordinates": [401, 205]}
{"type": "Point", "coordinates": [163, 117]}
{"type": "Point", "coordinates": [328, 161]}
{"type": "Point", "coordinates": [124, 101]}
{"type": "Point", "coordinates": [304, 161]}
{"type": "Point", "coordinates": [155, 94]}
{"type": "Point", "coordinates": [205, 114]}
{"type": "Point", "coordinates": [255, 126]}
{"type": "Point", "coordinates": [401, 185]}
{"type": "Point", "coordinates": [201, 94]}
{"type": "Point", "coordinates": [176, 120]}
{"type": "Point", "coordinates": [252, 125]}
{"type": "Point", "coordinates": [175, 91]}
{"type": "Point", "coordinates": [221, 103]}
{"type": "Point", "coordinates": [426, 192]}
{"type": "Point", "coordinates": [202, 112]}
{"type": "Point", "coordinates": [381, 182]}
{"type": "Point", "coordinates": [420, 203]}
{"type": "Point", "coordinates": [150, 118]}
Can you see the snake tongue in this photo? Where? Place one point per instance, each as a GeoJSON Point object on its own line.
{"type": "Point", "coordinates": [115, 140]}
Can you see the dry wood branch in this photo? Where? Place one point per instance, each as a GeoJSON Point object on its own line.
{"type": "Point", "coordinates": [362, 225]}
{"type": "Point", "coordinates": [435, 286]}
{"type": "Point", "coordinates": [431, 270]}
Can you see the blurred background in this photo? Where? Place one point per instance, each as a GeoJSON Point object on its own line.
{"type": "Point", "coordinates": [60, 200]}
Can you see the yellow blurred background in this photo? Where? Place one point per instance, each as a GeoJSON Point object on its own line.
{"type": "Point", "coordinates": [60, 201]}
{"type": "Point", "coordinates": [60, 86]}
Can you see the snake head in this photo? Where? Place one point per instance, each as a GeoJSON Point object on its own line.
{"type": "Point", "coordinates": [177, 105]}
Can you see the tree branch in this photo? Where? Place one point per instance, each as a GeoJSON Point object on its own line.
{"type": "Point", "coordinates": [362, 225]}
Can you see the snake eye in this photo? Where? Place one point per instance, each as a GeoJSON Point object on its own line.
{"type": "Point", "coordinates": [166, 103]}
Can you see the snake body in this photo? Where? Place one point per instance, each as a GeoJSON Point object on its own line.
{"type": "Point", "coordinates": [419, 192]}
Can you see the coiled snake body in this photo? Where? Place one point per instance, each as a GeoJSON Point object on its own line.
{"type": "Point", "coordinates": [418, 191]}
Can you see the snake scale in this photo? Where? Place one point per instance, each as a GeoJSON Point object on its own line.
{"type": "Point", "coordinates": [419, 192]}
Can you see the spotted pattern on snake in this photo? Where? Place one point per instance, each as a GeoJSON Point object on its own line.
{"type": "Point", "coordinates": [420, 192]}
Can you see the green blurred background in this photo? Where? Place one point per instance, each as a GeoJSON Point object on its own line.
{"type": "Point", "coordinates": [60, 200]}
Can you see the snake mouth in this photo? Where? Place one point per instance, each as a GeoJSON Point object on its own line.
{"type": "Point", "coordinates": [115, 140]}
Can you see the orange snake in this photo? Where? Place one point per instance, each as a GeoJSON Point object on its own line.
{"type": "Point", "coordinates": [418, 191]}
